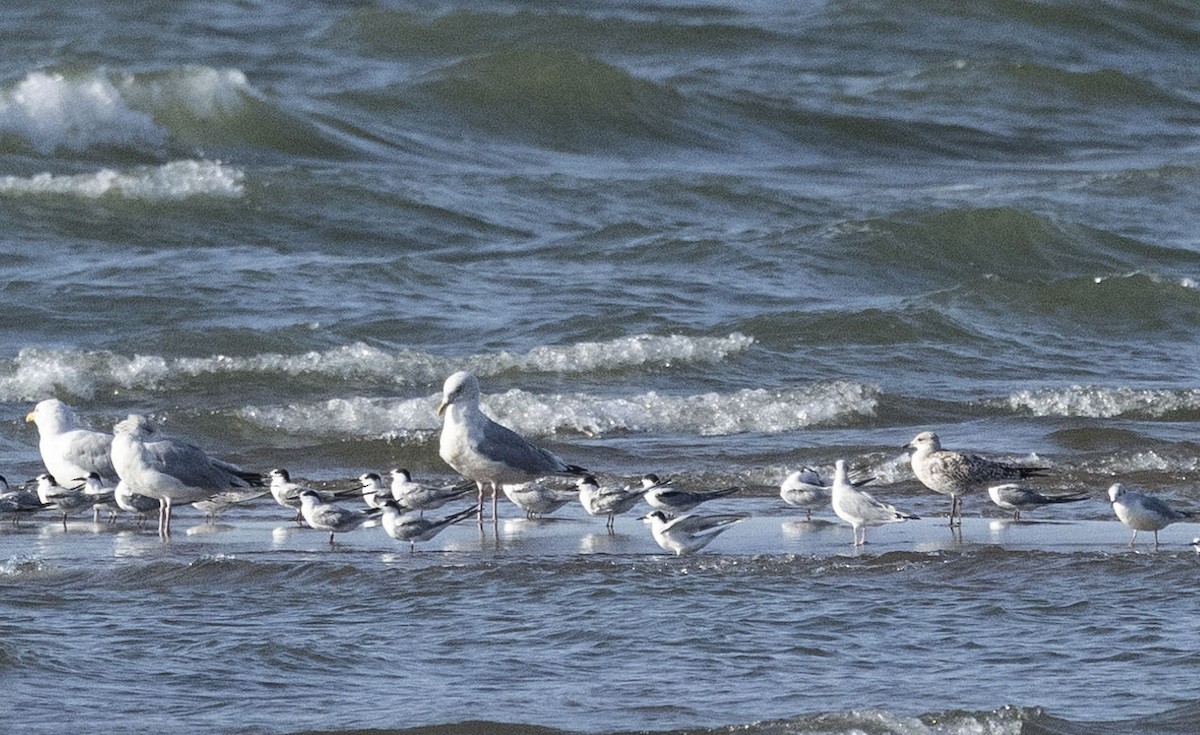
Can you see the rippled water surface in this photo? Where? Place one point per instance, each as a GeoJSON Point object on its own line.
{"type": "Point", "coordinates": [710, 240]}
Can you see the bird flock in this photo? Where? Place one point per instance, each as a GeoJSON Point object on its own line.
{"type": "Point", "coordinates": [138, 470]}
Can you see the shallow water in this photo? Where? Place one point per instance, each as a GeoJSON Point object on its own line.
{"type": "Point", "coordinates": [710, 240]}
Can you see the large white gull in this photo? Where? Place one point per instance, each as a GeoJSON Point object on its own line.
{"type": "Point", "coordinates": [485, 452]}
{"type": "Point", "coordinates": [69, 451]}
{"type": "Point", "coordinates": [171, 470]}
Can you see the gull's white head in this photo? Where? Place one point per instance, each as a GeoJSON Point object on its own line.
{"type": "Point", "coordinates": [51, 415]}
{"type": "Point", "coordinates": [926, 441]}
{"type": "Point", "coordinates": [460, 388]}
{"type": "Point", "coordinates": [136, 426]}
{"type": "Point", "coordinates": [1115, 492]}
{"type": "Point", "coordinates": [840, 476]}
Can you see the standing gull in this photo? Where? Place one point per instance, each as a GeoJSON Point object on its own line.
{"type": "Point", "coordinates": [1012, 496]}
{"type": "Point", "coordinates": [955, 474]}
{"type": "Point", "coordinates": [69, 451]}
{"type": "Point", "coordinates": [689, 533]}
{"type": "Point", "coordinates": [485, 452]}
{"type": "Point", "coordinates": [1143, 512]}
{"type": "Point", "coordinates": [170, 470]}
{"type": "Point", "coordinates": [858, 508]}
{"type": "Point", "coordinates": [806, 489]}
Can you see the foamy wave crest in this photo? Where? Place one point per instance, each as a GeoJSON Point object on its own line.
{"type": "Point", "coordinates": [1101, 402]}
{"type": "Point", "coordinates": [624, 352]}
{"type": "Point", "coordinates": [170, 182]}
{"type": "Point", "coordinates": [709, 414]}
{"type": "Point", "coordinates": [36, 373]}
{"type": "Point", "coordinates": [52, 111]}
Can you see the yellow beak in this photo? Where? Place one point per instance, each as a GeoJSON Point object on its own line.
{"type": "Point", "coordinates": [441, 409]}
{"type": "Point", "coordinates": [29, 417]}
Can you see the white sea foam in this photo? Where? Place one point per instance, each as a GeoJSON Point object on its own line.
{"type": "Point", "coordinates": [170, 182]}
{"type": "Point", "coordinates": [710, 414]}
{"type": "Point", "coordinates": [36, 373]}
{"type": "Point", "coordinates": [1102, 402]}
{"type": "Point", "coordinates": [53, 111]}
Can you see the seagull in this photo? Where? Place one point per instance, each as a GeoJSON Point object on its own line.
{"type": "Point", "coordinates": [537, 499]}
{"type": "Point", "coordinates": [65, 500]}
{"type": "Point", "coordinates": [806, 489]}
{"type": "Point", "coordinates": [660, 495]}
{"type": "Point", "coordinates": [68, 450]}
{"type": "Point", "coordinates": [170, 470]}
{"type": "Point", "coordinates": [689, 533]}
{"type": "Point", "coordinates": [608, 501]}
{"type": "Point", "coordinates": [409, 527]}
{"type": "Point", "coordinates": [333, 518]}
{"type": "Point", "coordinates": [130, 502]}
{"type": "Point", "coordinates": [954, 473]}
{"type": "Point", "coordinates": [485, 452]}
{"type": "Point", "coordinates": [373, 490]}
{"type": "Point", "coordinates": [1143, 512]}
{"type": "Point", "coordinates": [858, 508]}
{"type": "Point", "coordinates": [1012, 496]}
{"type": "Point", "coordinates": [415, 496]}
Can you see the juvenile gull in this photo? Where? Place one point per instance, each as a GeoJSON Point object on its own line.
{"type": "Point", "coordinates": [688, 534]}
{"type": "Point", "coordinates": [661, 496]}
{"type": "Point", "coordinates": [1143, 512]}
{"type": "Point", "coordinates": [858, 508]}
{"type": "Point", "coordinates": [170, 470]}
{"type": "Point", "coordinates": [69, 451]}
{"type": "Point", "coordinates": [333, 518]}
{"type": "Point", "coordinates": [538, 500]}
{"type": "Point", "coordinates": [485, 452]}
{"type": "Point", "coordinates": [1011, 496]}
{"type": "Point", "coordinates": [412, 528]}
{"type": "Point", "coordinates": [415, 496]}
{"type": "Point", "coordinates": [608, 501]}
{"type": "Point", "coordinates": [955, 474]}
{"type": "Point", "coordinates": [806, 489]}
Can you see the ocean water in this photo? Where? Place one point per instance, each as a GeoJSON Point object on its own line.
{"type": "Point", "coordinates": [710, 240]}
